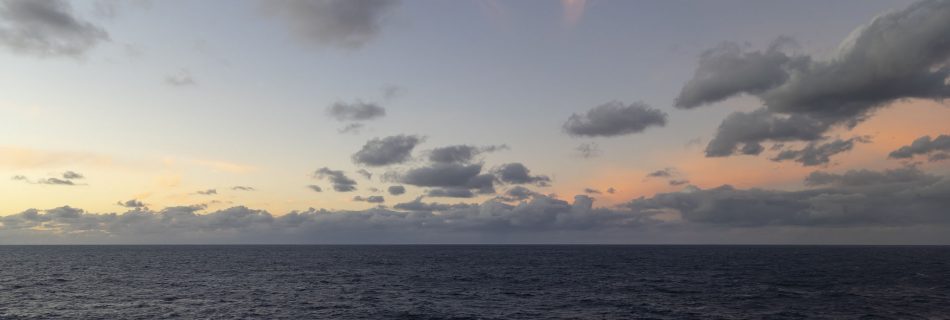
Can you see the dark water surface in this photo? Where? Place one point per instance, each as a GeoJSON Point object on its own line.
{"type": "Point", "coordinates": [474, 282]}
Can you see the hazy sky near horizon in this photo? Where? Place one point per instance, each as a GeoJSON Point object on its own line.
{"type": "Point", "coordinates": [474, 121]}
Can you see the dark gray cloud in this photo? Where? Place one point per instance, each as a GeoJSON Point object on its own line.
{"type": "Point", "coordinates": [207, 192]}
{"type": "Point", "coordinates": [46, 28]}
{"type": "Point", "coordinates": [315, 188]}
{"type": "Point", "coordinates": [450, 192]}
{"type": "Point", "coordinates": [370, 199]}
{"type": "Point", "coordinates": [898, 55]}
{"type": "Point", "coordinates": [135, 204]}
{"type": "Point", "coordinates": [938, 157]}
{"type": "Point", "coordinates": [396, 190]}
{"type": "Point", "coordinates": [729, 69]}
{"type": "Point", "coordinates": [242, 188]}
{"type": "Point", "coordinates": [816, 153]}
{"type": "Point", "coordinates": [588, 150]}
{"type": "Point", "coordinates": [614, 119]}
{"type": "Point", "coordinates": [924, 145]}
{"type": "Point", "coordinates": [386, 151]}
{"type": "Point", "coordinates": [339, 180]}
{"type": "Point", "coordinates": [897, 197]}
{"type": "Point", "coordinates": [365, 173]}
{"type": "Point", "coordinates": [517, 173]}
{"type": "Point", "coordinates": [356, 111]}
{"type": "Point", "coordinates": [339, 23]}
{"type": "Point", "coordinates": [460, 153]}
{"type": "Point", "coordinates": [418, 205]}
{"type": "Point", "coordinates": [611, 190]}
{"type": "Point", "coordinates": [591, 191]}
{"type": "Point", "coordinates": [519, 193]}
{"type": "Point", "coordinates": [744, 132]}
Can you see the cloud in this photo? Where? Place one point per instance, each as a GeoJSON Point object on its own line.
{"type": "Point", "coordinates": [662, 173]}
{"type": "Point", "coordinates": [450, 178]}
{"type": "Point", "coordinates": [677, 182]}
{"type": "Point", "coordinates": [611, 190]}
{"type": "Point", "coordinates": [924, 145]}
{"type": "Point", "coordinates": [356, 111]}
{"type": "Point", "coordinates": [614, 119]}
{"type": "Point", "coordinates": [72, 175]}
{"type": "Point", "coordinates": [450, 192]}
{"type": "Point", "coordinates": [392, 91]}
{"type": "Point", "coordinates": [207, 192]}
{"type": "Point", "coordinates": [517, 173]}
{"type": "Point", "coordinates": [591, 191]}
{"type": "Point", "coordinates": [898, 55]}
{"type": "Point", "coordinates": [519, 193]}
{"type": "Point", "coordinates": [315, 188]}
{"type": "Point", "coordinates": [181, 79]}
{"type": "Point", "coordinates": [460, 153]}
{"type": "Point", "coordinates": [897, 197]}
{"type": "Point", "coordinates": [413, 222]}
{"type": "Point", "coordinates": [366, 174]}
{"type": "Point", "coordinates": [353, 128]}
{"type": "Point", "coordinates": [19, 178]}
{"type": "Point", "coordinates": [386, 151]}
{"type": "Point", "coordinates": [46, 28]}
{"type": "Point", "coordinates": [370, 199]}
{"type": "Point", "coordinates": [418, 205]}
{"type": "Point", "coordinates": [815, 153]}
{"type": "Point", "coordinates": [341, 183]}
{"type": "Point", "coordinates": [588, 150]}
{"type": "Point", "coordinates": [396, 190]}
{"type": "Point", "coordinates": [853, 203]}
{"type": "Point", "coordinates": [338, 23]}
{"type": "Point", "coordinates": [56, 181]}
{"type": "Point", "coordinates": [242, 188]}
{"type": "Point", "coordinates": [134, 204]}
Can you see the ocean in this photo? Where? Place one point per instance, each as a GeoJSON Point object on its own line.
{"type": "Point", "coordinates": [474, 282]}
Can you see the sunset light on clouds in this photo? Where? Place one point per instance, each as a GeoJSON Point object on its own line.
{"type": "Point", "coordinates": [384, 121]}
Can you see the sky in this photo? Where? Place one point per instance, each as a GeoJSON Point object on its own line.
{"type": "Point", "coordinates": [483, 121]}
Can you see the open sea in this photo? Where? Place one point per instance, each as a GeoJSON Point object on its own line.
{"type": "Point", "coordinates": [474, 282]}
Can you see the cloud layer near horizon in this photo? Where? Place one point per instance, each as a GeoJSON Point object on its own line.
{"type": "Point", "coordinates": [896, 198]}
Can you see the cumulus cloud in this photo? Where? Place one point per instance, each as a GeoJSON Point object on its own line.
{"type": "Point", "coordinates": [614, 119]}
{"type": "Point", "coordinates": [450, 176]}
{"type": "Point", "coordinates": [450, 192]}
{"type": "Point", "coordinates": [409, 222]}
{"type": "Point", "coordinates": [339, 23]}
{"type": "Point", "coordinates": [370, 199]}
{"type": "Point", "coordinates": [356, 111]}
{"type": "Point", "coordinates": [924, 145]}
{"type": "Point", "coordinates": [611, 190]}
{"type": "Point", "coordinates": [396, 190]}
{"type": "Point", "coordinates": [56, 181]}
{"type": "Point", "coordinates": [898, 55]}
{"type": "Point", "coordinates": [662, 173]}
{"type": "Point", "coordinates": [815, 153]}
{"type": "Point", "coordinates": [386, 151]}
{"type": "Point", "coordinates": [242, 188]}
{"type": "Point", "coordinates": [896, 197]}
{"type": "Point", "coordinates": [460, 153]}
{"type": "Point", "coordinates": [519, 193]}
{"type": "Point", "coordinates": [315, 188]}
{"type": "Point", "coordinates": [339, 180]}
{"type": "Point", "coordinates": [517, 173]}
{"type": "Point", "coordinates": [46, 28]}
{"type": "Point", "coordinates": [207, 192]}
